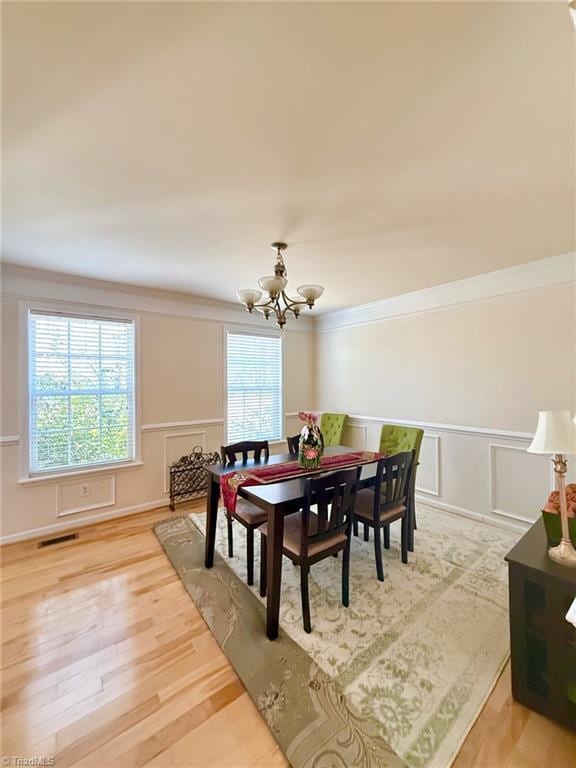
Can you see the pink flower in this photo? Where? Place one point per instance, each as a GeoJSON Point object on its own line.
{"type": "Point", "coordinates": [310, 453]}
{"type": "Point", "coordinates": [308, 416]}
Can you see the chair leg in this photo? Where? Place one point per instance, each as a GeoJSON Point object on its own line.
{"type": "Point", "coordinates": [346, 576]}
{"type": "Point", "coordinates": [355, 527]}
{"type": "Point", "coordinates": [378, 553]}
{"type": "Point", "coordinates": [404, 537]}
{"type": "Point", "coordinates": [386, 532]}
{"type": "Point", "coordinates": [304, 570]}
{"type": "Point", "coordinates": [250, 555]}
{"type": "Point", "coordinates": [262, 565]}
{"type": "Point", "coordinates": [366, 532]}
{"type": "Point", "coordinates": [230, 538]}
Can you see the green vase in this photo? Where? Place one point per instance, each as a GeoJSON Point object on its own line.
{"type": "Point", "coordinates": [553, 526]}
{"type": "Point", "coordinates": [310, 447]}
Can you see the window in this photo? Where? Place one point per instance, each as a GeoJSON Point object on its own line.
{"type": "Point", "coordinates": [254, 386]}
{"type": "Point", "coordinates": [81, 391]}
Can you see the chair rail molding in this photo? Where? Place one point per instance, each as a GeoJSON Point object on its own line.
{"type": "Point", "coordinates": [9, 440]}
{"type": "Point", "coordinates": [168, 425]}
{"type": "Point", "coordinates": [534, 275]}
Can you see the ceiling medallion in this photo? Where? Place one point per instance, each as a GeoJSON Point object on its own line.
{"type": "Point", "coordinates": [277, 302]}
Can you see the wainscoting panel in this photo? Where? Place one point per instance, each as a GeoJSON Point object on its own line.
{"type": "Point", "coordinates": [355, 435]}
{"type": "Point", "coordinates": [480, 473]}
{"type": "Point", "coordinates": [516, 499]}
{"type": "Point", "coordinates": [83, 495]}
{"type": "Point", "coordinates": [428, 475]}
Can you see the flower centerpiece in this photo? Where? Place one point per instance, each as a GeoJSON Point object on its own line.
{"type": "Point", "coordinates": [311, 445]}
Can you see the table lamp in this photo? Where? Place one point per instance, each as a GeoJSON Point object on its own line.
{"type": "Point", "coordinates": [556, 436]}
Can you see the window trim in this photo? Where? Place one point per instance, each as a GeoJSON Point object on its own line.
{"type": "Point", "coordinates": [82, 310]}
{"type": "Point", "coordinates": [250, 330]}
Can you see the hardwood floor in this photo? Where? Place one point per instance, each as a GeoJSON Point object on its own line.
{"type": "Point", "coordinates": [107, 662]}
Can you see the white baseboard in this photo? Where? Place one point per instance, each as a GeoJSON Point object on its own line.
{"type": "Point", "coordinates": [488, 519]}
{"type": "Point", "coordinates": [35, 533]}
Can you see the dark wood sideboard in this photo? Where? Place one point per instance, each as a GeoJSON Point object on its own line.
{"type": "Point", "coordinates": [543, 643]}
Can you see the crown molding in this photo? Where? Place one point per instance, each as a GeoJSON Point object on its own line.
{"type": "Point", "coordinates": [544, 273]}
{"type": "Point", "coordinates": [39, 285]}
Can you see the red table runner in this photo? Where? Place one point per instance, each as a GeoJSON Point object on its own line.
{"type": "Point", "coordinates": [235, 479]}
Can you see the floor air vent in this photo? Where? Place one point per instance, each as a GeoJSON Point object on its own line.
{"type": "Point", "coordinates": [57, 540]}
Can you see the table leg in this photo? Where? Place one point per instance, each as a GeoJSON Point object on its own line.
{"type": "Point", "coordinates": [274, 570]}
{"type": "Point", "coordinates": [211, 520]}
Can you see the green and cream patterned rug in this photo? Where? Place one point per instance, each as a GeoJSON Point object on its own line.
{"type": "Point", "coordinates": [402, 673]}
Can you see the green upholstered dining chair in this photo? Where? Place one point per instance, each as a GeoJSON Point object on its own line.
{"type": "Point", "coordinates": [395, 438]}
{"type": "Point", "coordinates": [332, 426]}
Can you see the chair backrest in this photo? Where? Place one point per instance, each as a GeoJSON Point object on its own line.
{"type": "Point", "coordinates": [258, 449]}
{"type": "Point", "coordinates": [396, 438]}
{"type": "Point", "coordinates": [333, 494]}
{"type": "Point", "coordinates": [293, 443]}
{"type": "Point", "coordinates": [392, 483]}
{"type": "Point", "coordinates": [332, 426]}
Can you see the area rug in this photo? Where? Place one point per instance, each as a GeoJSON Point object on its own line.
{"type": "Point", "coordinates": [399, 677]}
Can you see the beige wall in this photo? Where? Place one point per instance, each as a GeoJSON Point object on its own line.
{"type": "Point", "coordinates": [491, 363]}
{"type": "Point", "coordinates": [182, 380]}
{"type": "Point", "coordinates": [488, 364]}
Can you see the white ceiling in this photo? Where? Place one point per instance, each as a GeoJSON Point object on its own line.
{"type": "Point", "coordinates": [393, 146]}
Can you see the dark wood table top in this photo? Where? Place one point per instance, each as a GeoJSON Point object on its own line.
{"type": "Point", "coordinates": [217, 470]}
{"type": "Point", "coordinates": [532, 552]}
{"type": "Point", "coordinates": [283, 491]}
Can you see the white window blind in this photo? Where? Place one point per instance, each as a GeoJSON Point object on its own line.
{"type": "Point", "coordinates": [81, 391]}
{"type": "Point", "coordinates": [254, 387]}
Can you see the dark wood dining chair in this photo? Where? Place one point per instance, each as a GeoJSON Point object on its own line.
{"type": "Point", "coordinates": [247, 514]}
{"type": "Point", "coordinates": [293, 443]}
{"type": "Point", "coordinates": [386, 502]}
{"type": "Point", "coordinates": [310, 537]}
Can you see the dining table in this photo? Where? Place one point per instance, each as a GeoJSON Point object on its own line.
{"type": "Point", "coordinates": [277, 499]}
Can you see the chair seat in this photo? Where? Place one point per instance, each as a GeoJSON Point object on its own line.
{"type": "Point", "coordinates": [364, 508]}
{"type": "Point", "coordinates": [292, 533]}
{"type": "Point", "coordinates": [249, 514]}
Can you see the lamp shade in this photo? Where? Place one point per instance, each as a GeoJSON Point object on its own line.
{"type": "Point", "coordinates": [555, 433]}
{"type": "Point", "coordinates": [249, 296]}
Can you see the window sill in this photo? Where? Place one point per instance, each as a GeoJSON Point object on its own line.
{"type": "Point", "coordinates": [56, 476]}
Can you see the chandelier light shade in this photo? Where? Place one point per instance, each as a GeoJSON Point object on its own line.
{"type": "Point", "coordinates": [276, 301]}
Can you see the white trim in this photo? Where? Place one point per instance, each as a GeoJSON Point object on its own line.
{"type": "Point", "coordinates": [456, 428]}
{"type": "Point", "coordinates": [276, 333]}
{"type": "Point", "coordinates": [86, 507]}
{"type": "Point", "coordinates": [24, 309]}
{"type": "Point", "coordinates": [544, 273]}
{"type": "Point", "coordinates": [160, 426]}
{"type": "Point", "coordinates": [57, 476]}
{"type": "Point", "coordinates": [364, 429]}
{"type": "Point", "coordinates": [436, 490]}
{"type": "Point", "coordinates": [493, 522]}
{"type": "Point", "coordinates": [9, 439]}
{"type": "Point", "coordinates": [39, 285]}
{"type": "Point", "coordinates": [34, 533]}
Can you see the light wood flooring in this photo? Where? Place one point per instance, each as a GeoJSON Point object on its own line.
{"type": "Point", "coordinates": [107, 662]}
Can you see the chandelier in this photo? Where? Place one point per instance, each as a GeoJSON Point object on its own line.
{"type": "Point", "coordinates": [277, 302]}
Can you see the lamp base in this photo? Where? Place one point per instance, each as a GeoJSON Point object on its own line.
{"type": "Point", "coordinates": [563, 554]}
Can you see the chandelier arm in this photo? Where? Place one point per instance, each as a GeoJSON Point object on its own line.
{"type": "Point", "coordinates": [292, 302]}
